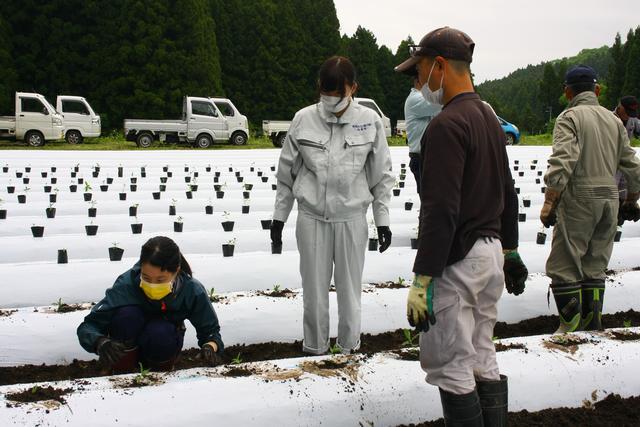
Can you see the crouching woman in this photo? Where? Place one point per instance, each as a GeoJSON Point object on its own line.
{"type": "Point", "coordinates": [141, 318]}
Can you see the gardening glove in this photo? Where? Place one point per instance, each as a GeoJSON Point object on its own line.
{"type": "Point", "coordinates": [420, 303]}
{"type": "Point", "coordinates": [110, 351]}
{"type": "Point", "coordinates": [209, 352]}
{"type": "Point", "coordinates": [548, 212]}
{"type": "Point", "coordinates": [384, 238]}
{"type": "Point", "coordinates": [515, 272]}
{"type": "Point", "coordinates": [630, 210]}
{"type": "Point", "coordinates": [276, 231]}
{"type": "Point", "coordinates": [621, 218]}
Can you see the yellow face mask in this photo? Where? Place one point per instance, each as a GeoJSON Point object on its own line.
{"type": "Point", "coordinates": [156, 291]}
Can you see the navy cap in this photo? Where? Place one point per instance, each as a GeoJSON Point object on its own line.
{"type": "Point", "coordinates": [580, 74]}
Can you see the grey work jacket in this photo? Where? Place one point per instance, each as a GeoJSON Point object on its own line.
{"type": "Point", "coordinates": [589, 145]}
{"type": "Point", "coordinates": [335, 167]}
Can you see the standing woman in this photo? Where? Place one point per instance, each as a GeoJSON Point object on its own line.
{"type": "Point", "coordinates": [335, 162]}
{"type": "Point", "coordinates": [141, 318]}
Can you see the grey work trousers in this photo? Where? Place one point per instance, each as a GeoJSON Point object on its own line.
{"type": "Point", "coordinates": [459, 348]}
{"type": "Point", "coordinates": [331, 249]}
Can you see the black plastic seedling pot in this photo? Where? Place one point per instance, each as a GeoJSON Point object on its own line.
{"type": "Point", "coordinates": [51, 212]}
{"type": "Point", "coordinates": [87, 196]}
{"type": "Point", "coordinates": [264, 178]}
{"type": "Point", "coordinates": [541, 238]}
{"type": "Point", "coordinates": [73, 188]}
{"type": "Point", "coordinates": [178, 226]}
{"type": "Point", "coordinates": [227, 250]}
{"type": "Point", "coordinates": [133, 188]}
{"type": "Point", "coordinates": [22, 198]}
{"type": "Point", "coordinates": [521, 174]}
{"type": "Point", "coordinates": [194, 187]}
{"type": "Point", "coordinates": [122, 196]}
{"type": "Point", "coordinates": [396, 192]}
{"type": "Point", "coordinates": [189, 194]}
{"type": "Point", "coordinates": [91, 230]}
{"type": "Point", "coordinates": [11, 189]}
{"type": "Point", "coordinates": [401, 184]}
{"type": "Point", "coordinates": [136, 228]}
{"type": "Point", "coordinates": [109, 181]}
{"type": "Point", "coordinates": [408, 206]}
{"type": "Point", "coordinates": [246, 194]}
{"type": "Point", "coordinates": [3, 214]}
{"type": "Point", "coordinates": [115, 253]}
{"type": "Point", "coordinates": [92, 212]}
{"type": "Point", "coordinates": [373, 245]}
{"type": "Point", "coordinates": [245, 209]}
{"type": "Point", "coordinates": [156, 195]}
{"type": "Point", "coordinates": [228, 225]}
{"type": "Point", "coordinates": [63, 258]}
{"type": "Point", "coordinates": [274, 187]}
{"type": "Point", "coordinates": [266, 224]}
{"type": "Point", "coordinates": [276, 248]}
{"type": "Point", "coordinates": [37, 231]}
{"type": "Point", "coordinates": [219, 194]}
{"type": "Point", "coordinates": [104, 188]}
{"type": "Point", "coordinates": [172, 210]}
{"type": "Point", "coordinates": [526, 203]}
{"type": "Point", "coordinates": [187, 179]}
{"type": "Point", "coordinates": [216, 179]}
{"type": "Point", "coordinates": [522, 217]}
{"type": "Point", "coordinates": [217, 187]}
{"type": "Point", "coordinates": [120, 172]}
{"type": "Point", "coordinates": [248, 187]}
{"type": "Point", "coordinates": [163, 179]}
{"type": "Point", "coordinates": [53, 198]}
{"type": "Point", "coordinates": [54, 180]}
{"type": "Point", "coordinates": [240, 178]}
{"type": "Point", "coordinates": [134, 180]}
{"type": "Point", "coordinates": [260, 173]}
{"type": "Point", "coordinates": [618, 236]}
{"type": "Point", "coordinates": [26, 180]}
{"type": "Point", "coordinates": [47, 189]}
{"type": "Point", "coordinates": [414, 243]}
{"type": "Point", "coordinates": [43, 174]}
{"type": "Point", "coordinates": [162, 188]}
{"type": "Point", "coordinates": [208, 210]}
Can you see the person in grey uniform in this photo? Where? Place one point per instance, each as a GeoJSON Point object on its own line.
{"type": "Point", "coordinates": [335, 163]}
{"type": "Point", "coordinates": [581, 200]}
{"type": "Point", "coordinates": [627, 112]}
{"type": "Point", "coordinates": [418, 112]}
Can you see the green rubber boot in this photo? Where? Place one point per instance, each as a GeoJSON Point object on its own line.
{"type": "Point", "coordinates": [568, 298]}
{"type": "Point", "coordinates": [592, 300]}
{"type": "Point", "coordinates": [461, 410]}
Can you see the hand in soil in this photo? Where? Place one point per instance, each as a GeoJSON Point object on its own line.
{"type": "Point", "coordinates": [110, 351]}
{"type": "Point", "coordinates": [209, 355]}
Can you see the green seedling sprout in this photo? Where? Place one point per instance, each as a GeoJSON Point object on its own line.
{"type": "Point", "coordinates": [34, 389]}
{"type": "Point", "coordinates": [87, 187]}
{"type": "Point", "coordinates": [409, 340]}
{"type": "Point", "coordinates": [626, 323]}
{"type": "Point", "coordinates": [232, 242]}
{"type": "Point", "coordinates": [335, 349]}
{"type": "Point", "coordinates": [401, 281]}
{"type": "Point", "coordinates": [276, 288]}
{"type": "Point", "coordinates": [179, 219]}
{"type": "Point", "coordinates": [142, 375]}
{"type": "Point", "coordinates": [237, 360]}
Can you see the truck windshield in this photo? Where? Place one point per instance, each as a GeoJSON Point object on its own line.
{"type": "Point", "coordinates": [32, 105]}
{"type": "Point", "coordinates": [225, 109]}
{"type": "Point", "coordinates": [77, 107]}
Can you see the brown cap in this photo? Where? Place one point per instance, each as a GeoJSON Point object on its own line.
{"type": "Point", "coordinates": [446, 42]}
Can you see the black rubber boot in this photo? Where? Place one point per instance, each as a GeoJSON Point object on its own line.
{"type": "Point", "coordinates": [592, 301]}
{"type": "Point", "coordinates": [461, 410]}
{"type": "Point", "coordinates": [568, 298]}
{"type": "Point", "coordinates": [494, 399]}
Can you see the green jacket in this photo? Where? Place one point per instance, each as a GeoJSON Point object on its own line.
{"type": "Point", "coordinates": [190, 301]}
{"type": "Point", "coordinates": [589, 145]}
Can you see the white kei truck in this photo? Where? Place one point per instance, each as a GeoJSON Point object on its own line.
{"type": "Point", "coordinates": [204, 121]}
{"type": "Point", "coordinates": [277, 130]}
{"type": "Point", "coordinates": [35, 121]}
{"type": "Point", "coordinates": [80, 121]}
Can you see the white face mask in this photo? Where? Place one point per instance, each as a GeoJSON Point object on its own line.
{"type": "Point", "coordinates": [433, 97]}
{"type": "Point", "coordinates": [333, 104]}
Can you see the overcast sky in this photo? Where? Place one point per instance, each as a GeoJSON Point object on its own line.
{"type": "Point", "coordinates": [508, 34]}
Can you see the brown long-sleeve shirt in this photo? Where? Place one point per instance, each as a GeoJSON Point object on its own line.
{"type": "Point", "coordinates": [467, 191]}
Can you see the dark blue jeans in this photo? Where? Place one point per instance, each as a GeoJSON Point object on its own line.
{"type": "Point", "coordinates": [158, 340]}
{"type": "Point", "coordinates": [415, 166]}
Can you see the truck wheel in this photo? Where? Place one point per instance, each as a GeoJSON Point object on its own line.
{"type": "Point", "coordinates": [203, 141]}
{"type": "Point", "coordinates": [34, 138]}
{"type": "Point", "coordinates": [511, 139]}
{"type": "Point", "coordinates": [239, 138]}
{"type": "Point", "coordinates": [279, 140]}
{"type": "Point", "coordinates": [73, 137]}
{"type": "Point", "coordinates": [144, 140]}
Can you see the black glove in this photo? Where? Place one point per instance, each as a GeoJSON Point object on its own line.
{"type": "Point", "coordinates": [276, 231]}
{"type": "Point", "coordinates": [629, 211]}
{"type": "Point", "coordinates": [621, 218]}
{"type": "Point", "coordinates": [515, 272]}
{"type": "Point", "coordinates": [209, 355]}
{"type": "Point", "coordinates": [110, 351]}
{"type": "Point", "coordinates": [384, 238]}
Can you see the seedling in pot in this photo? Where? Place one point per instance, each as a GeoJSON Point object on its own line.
{"type": "Point", "coordinates": [237, 360]}
{"type": "Point", "coordinates": [396, 190]}
{"type": "Point", "coordinates": [541, 237]}
{"type": "Point", "coordinates": [172, 207]}
{"type": "Point", "coordinates": [178, 225]}
{"type": "Point", "coordinates": [3, 212]}
{"type": "Point", "coordinates": [50, 211]}
{"type": "Point", "coordinates": [91, 229]}
{"type": "Point", "coordinates": [92, 211]}
{"type": "Point", "coordinates": [22, 198]}
{"type": "Point", "coordinates": [136, 227]}
{"type": "Point", "coordinates": [53, 198]}
{"type": "Point", "coordinates": [229, 248]}
{"type": "Point", "coordinates": [104, 187]}
{"type": "Point", "coordinates": [189, 193]}
{"type": "Point", "coordinates": [526, 202]}
{"type": "Point", "coordinates": [408, 205]}
{"type": "Point", "coordinates": [227, 224]}
{"type": "Point", "coordinates": [37, 230]}
{"type": "Point", "coordinates": [133, 210]}
{"type": "Point", "coordinates": [115, 252]}
{"type": "Point", "coordinates": [63, 258]}
{"type": "Point", "coordinates": [409, 339]}
{"type": "Point", "coordinates": [246, 205]}
{"type": "Point", "coordinates": [209, 208]}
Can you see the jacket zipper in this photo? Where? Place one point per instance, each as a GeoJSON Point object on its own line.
{"type": "Point", "coordinates": [312, 145]}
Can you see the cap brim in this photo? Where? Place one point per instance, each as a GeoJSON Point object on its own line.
{"type": "Point", "coordinates": [408, 67]}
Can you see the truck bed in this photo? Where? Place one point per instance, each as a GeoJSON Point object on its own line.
{"type": "Point", "coordinates": [275, 126]}
{"type": "Point", "coordinates": [7, 124]}
{"type": "Point", "coordinates": [156, 125]}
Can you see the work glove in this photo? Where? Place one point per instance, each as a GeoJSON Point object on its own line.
{"type": "Point", "coordinates": [420, 303]}
{"type": "Point", "coordinates": [630, 211]}
{"type": "Point", "coordinates": [209, 352]}
{"type": "Point", "coordinates": [515, 272]}
{"type": "Point", "coordinates": [384, 238]}
{"type": "Point", "coordinates": [621, 215]}
{"type": "Point", "coordinates": [276, 231]}
{"type": "Point", "coordinates": [110, 351]}
{"type": "Point", "coordinates": [548, 212]}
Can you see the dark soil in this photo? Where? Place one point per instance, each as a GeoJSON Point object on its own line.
{"type": "Point", "coordinates": [331, 364]}
{"type": "Point", "coordinates": [7, 313]}
{"type": "Point", "coordinates": [281, 293]}
{"type": "Point", "coordinates": [38, 394]}
{"type": "Point", "coordinates": [236, 372]}
{"type": "Point", "coordinates": [371, 344]}
{"type": "Point", "coordinates": [412, 354]}
{"type": "Point", "coordinates": [625, 335]}
{"type": "Point", "coordinates": [68, 308]}
{"type": "Point", "coordinates": [389, 285]}
{"type": "Point", "coordinates": [612, 411]}
{"type": "Point", "coordinates": [506, 347]}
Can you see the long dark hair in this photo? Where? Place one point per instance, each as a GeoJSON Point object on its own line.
{"type": "Point", "coordinates": [163, 252]}
{"type": "Point", "coordinates": [335, 73]}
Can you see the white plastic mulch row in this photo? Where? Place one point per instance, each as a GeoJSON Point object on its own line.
{"type": "Point", "coordinates": [380, 391]}
{"type": "Point", "coordinates": [42, 336]}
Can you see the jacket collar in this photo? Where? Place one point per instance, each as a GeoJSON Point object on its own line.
{"type": "Point", "coordinates": [585, 98]}
{"type": "Point", "coordinates": [347, 117]}
{"type": "Point", "coordinates": [461, 97]}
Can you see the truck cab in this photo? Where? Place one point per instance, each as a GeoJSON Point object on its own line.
{"type": "Point", "coordinates": [370, 103]}
{"type": "Point", "coordinates": [35, 122]}
{"type": "Point", "coordinates": [80, 121]}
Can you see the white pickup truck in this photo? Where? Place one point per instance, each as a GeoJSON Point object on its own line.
{"type": "Point", "coordinates": [277, 129]}
{"type": "Point", "coordinates": [35, 122]}
{"type": "Point", "coordinates": [80, 121]}
{"type": "Point", "coordinates": [204, 120]}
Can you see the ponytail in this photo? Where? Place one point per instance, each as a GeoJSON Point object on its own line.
{"type": "Point", "coordinates": [164, 253]}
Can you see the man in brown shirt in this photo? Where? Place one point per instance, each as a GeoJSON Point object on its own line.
{"type": "Point", "coordinates": [468, 217]}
